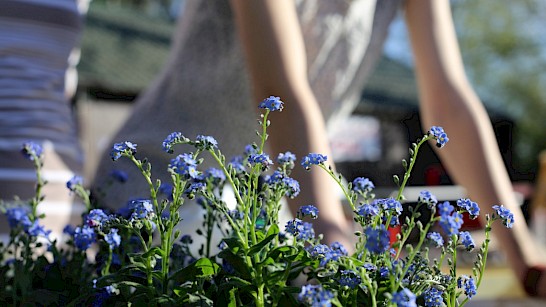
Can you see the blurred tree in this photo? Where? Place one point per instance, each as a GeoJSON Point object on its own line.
{"type": "Point", "coordinates": [504, 50]}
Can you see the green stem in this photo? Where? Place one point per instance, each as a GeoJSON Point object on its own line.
{"type": "Point", "coordinates": [338, 181]}
{"type": "Point", "coordinates": [412, 163]}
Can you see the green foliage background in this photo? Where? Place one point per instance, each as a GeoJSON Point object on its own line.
{"type": "Point", "coordinates": [504, 51]}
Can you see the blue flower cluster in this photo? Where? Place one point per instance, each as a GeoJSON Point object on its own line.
{"type": "Point", "coordinates": [326, 253]}
{"type": "Point", "coordinates": [349, 278]}
{"type": "Point", "coordinates": [272, 104]}
{"type": "Point", "coordinates": [315, 295]}
{"type": "Point", "coordinates": [471, 207]}
{"type": "Point", "coordinates": [308, 210]}
{"type": "Point", "coordinates": [362, 185]}
{"type": "Point", "coordinates": [433, 297]}
{"type": "Point", "coordinates": [505, 215]}
{"type": "Point", "coordinates": [466, 240]}
{"type": "Point", "coordinates": [440, 136]}
{"type": "Point", "coordinates": [286, 158]}
{"type": "Point", "coordinates": [436, 238]}
{"type": "Point", "coordinates": [19, 217]}
{"type": "Point", "coordinates": [468, 285]}
{"type": "Point", "coordinates": [122, 148]}
{"type": "Point", "coordinates": [450, 220]}
{"type": "Point", "coordinates": [377, 239]}
{"type": "Point", "coordinates": [88, 234]}
{"type": "Point", "coordinates": [301, 230]}
{"type": "Point", "coordinates": [206, 142]}
{"type": "Point", "coordinates": [31, 150]}
{"type": "Point", "coordinates": [313, 159]}
{"type": "Point", "coordinates": [404, 298]}
{"type": "Point", "coordinates": [185, 165]}
{"type": "Point", "coordinates": [74, 182]}
{"type": "Point", "coordinates": [260, 159]}
{"type": "Point", "coordinates": [425, 197]}
{"type": "Point", "coordinates": [170, 140]}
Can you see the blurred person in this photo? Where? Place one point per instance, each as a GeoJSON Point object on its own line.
{"type": "Point", "coordinates": [317, 57]}
{"type": "Point", "coordinates": [38, 54]}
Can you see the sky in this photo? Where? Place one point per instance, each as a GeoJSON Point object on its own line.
{"type": "Point", "coordinates": [397, 43]}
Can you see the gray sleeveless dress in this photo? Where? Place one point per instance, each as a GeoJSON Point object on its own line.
{"type": "Point", "coordinates": [204, 88]}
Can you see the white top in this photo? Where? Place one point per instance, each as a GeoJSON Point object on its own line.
{"type": "Point", "coordinates": [204, 86]}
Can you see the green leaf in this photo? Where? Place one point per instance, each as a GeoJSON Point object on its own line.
{"type": "Point", "coordinates": [207, 267]}
{"type": "Point", "coordinates": [232, 298]}
{"type": "Point", "coordinates": [271, 234]}
{"type": "Point", "coordinates": [154, 251]}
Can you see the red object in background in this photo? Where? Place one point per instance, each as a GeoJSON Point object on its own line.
{"type": "Point", "coordinates": [393, 231]}
{"type": "Point", "coordinates": [433, 177]}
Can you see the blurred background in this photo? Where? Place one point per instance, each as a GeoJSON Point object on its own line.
{"type": "Point", "coordinates": [126, 42]}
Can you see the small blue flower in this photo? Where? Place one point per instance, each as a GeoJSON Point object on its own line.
{"type": "Point", "coordinates": [369, 267]}
{"type": "Point", "coordinates": [384, 271]}
{"type": "Point", "coordinates": [433, 297]}
{"type": "Point", "coordinates": [338, 247]}
{"type": "Point", "coordinates": [470, 206]}
{"type": "Point", "coordinates": [260, 159]}
{"type": "Point", "coordinates": [206, 142]}
{"type": "Point", "coordinates": [436, 238]}
{"type": "Point", "coordinates": [119, 175]}
{"type": "Point", "coordinates": [166, 189]}
{"type": "Point", "coordinates": [445, 208]}
{"type": "Point", "coordinates": [113, 238]}
{"type": "Point", "coordinates": [272, 104]}
{"type": "Point", "coordinates": [18, 216]}
{"type": "Point", "coordinates": [440, 135]}
{"type": "Point", "coordinates": [185, 165]}
{"type": "Point", "coordinates": [308, 210]}
{"type": "Point", "coordinates": [349, 279]}
{"type": "Point", "coordinates": [74, 182]}
{"type": "Point", "coordinates": [368, 210]}
{"type": "Point", "coordinates": [377, 239]}
{"type": "Point", "coordinates": [425, 197]}
{"type": "Point", "coordinates": [84, 237]}
{"type": "Point", "coordinates": [237, 165]}
{"type": "Point", "coordinates": [292, 186]}
{"type": "Point", "coordinates": [505, 215]}
{"type": "Point", "coordinates": [31, 150]}
{"type": "Point", "coordinates": [468, 285]}
{"type": "Point", "coordinates": [451, 223]}
{"type": "Point", "coordinates": [319, 250]}
{"type": "Point", "coordinates": [96, 217]}
{"type": "Point", "coordinates": [69, 230]}
{"type": "Point", "coordinates": [390, 204]}
{"type": "Point", "coordinates": [122, 148]}
{"type": "Point", "coordinates": [313, 159]}
{"type": "Point", "coordinates": [275, 178]}
{"type": "Point", "coordinates": [404, 298]}
{"type": "Point", "coordinates": [141, 209]}
{"type": "Point", "coordinates": [286, 158]}
{"type": "Point", "coordinates": [38, 230]}
{"type": "Point", "coordinates": [195, 187]}
{"type": "Point", "coordinates": [294, 227]}
{"type": "Point", "coordinates": [363, 185]}
{"type": "Point", "coordinates": [315, 295]}
{"type": "Point", "coordinates": [250, 149]}
{"type": "Point", "coordinates": [466, 240]}
{"type": "Point", "coordinates": [216, 174]}
{"type": "Point", "coordinates": [171, 140]}
{"type": "Point", "coordinates": [307, 232]}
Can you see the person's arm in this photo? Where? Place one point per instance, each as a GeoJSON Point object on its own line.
{"type": "Point", "coordinates": [472, 155]}
{"type": "Point", "coordinates": [276, 59]}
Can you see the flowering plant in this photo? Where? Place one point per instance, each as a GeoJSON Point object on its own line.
{"type": "Point", "coordinates": [137, 256]}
